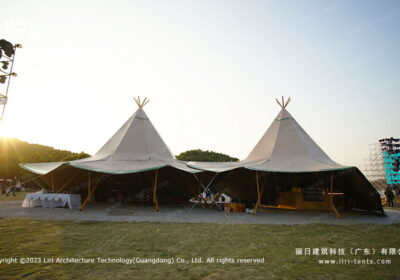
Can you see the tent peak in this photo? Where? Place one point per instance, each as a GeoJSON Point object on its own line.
{"type": "Point", "coordinates": [283, 104]}
{"type": "Point", "coordinates": [141, 103]}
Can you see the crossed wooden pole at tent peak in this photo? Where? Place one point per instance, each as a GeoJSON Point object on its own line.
{"type": "Point", "coordinates": [141, 103]}
{"type": "Point", "coordinates": [284, 104]}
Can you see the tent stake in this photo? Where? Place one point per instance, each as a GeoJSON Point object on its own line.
{"type": "Point", "coordinates": [155, 192]}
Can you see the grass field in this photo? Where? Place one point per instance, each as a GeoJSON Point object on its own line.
{"type": "Point", "coordinates": [18, 196]}
{"type": "Point", "coordinates": [47, 239]}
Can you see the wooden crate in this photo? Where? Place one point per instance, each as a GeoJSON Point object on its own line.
{"type": "Point", "coordinates": [236, 207]}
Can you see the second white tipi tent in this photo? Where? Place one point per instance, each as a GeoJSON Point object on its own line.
{"type": "Point", "coordinates": [287, 157]}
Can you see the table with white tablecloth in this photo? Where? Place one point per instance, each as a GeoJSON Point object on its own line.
{"type": "Point", "coordinates": [52, 200]}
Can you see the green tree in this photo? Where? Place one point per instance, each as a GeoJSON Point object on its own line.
{"type": "Point", "coordinates": [200, 155]}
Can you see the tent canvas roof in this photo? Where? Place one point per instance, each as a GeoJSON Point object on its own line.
{"type": "Point", "coordinates": [135, 147]}
{"type": "Point", "coordinates": [285, 147]}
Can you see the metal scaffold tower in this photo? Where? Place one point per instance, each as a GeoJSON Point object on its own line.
{"type": "Point", "coordinates": [374, 166]}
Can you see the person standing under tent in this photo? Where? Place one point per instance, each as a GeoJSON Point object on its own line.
{"type": "Point", "coordinates": [389, 196]}
{"type": "Point", "coordinates": [18, 185]}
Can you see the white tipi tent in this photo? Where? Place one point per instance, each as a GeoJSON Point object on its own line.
{"type": "Point", "coordinates": [287, 156]}
{"type": "Point", "coordinates": [135, 148]}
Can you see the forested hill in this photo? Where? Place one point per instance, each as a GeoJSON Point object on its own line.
{"type": "Point", "coordinates": [14, 151]}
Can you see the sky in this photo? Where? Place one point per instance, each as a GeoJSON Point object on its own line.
{"type": "Point", "coordinates": [211, 70]}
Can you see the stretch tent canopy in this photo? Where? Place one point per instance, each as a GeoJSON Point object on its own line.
{"type": "Point", "coordinates": [291, 157]}
{"type": "Point", "coordinates": [136, 147]}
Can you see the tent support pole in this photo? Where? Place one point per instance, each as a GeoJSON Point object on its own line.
{"type": "Point", "coordinates": [199, 193]}
{"type": "Point", "coordinates": [333, 208]}
{"type": "Point", "coordinates": [331, 198]}
{"type": "Point", "coordinates": [52, 183]}
{"type": "Point", "coordinates": [201, 197]}
{"type": "Point", "coordinates": [205, 188]}
{"type": "Point", "coordinates": [259, 193]}
{"type": "Point", "coordinates": [69, 181]}
{"type": "Point", "coordinates": [197, 196]}
{"type": "Point", "coordinates": [89, 185]}
{"type": "Point", "coordinates": [37, 182]}
{"type": "Point", "coordinates": [228, 183]}
{"type": "Point", "coordinates": [336, 212]}
{"type": "Point", "coordinates": [155, 191]}
{"type": "Point", "coordinates": [218, 195]}
{"type": "Point", "coordinates": [89, 195]}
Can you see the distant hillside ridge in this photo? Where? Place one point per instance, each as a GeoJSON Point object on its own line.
{"type": "Point", "coordinates": [14, 151]}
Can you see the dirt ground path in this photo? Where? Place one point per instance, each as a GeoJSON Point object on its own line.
{"type": "Point", "coordinates": [185, 214]}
